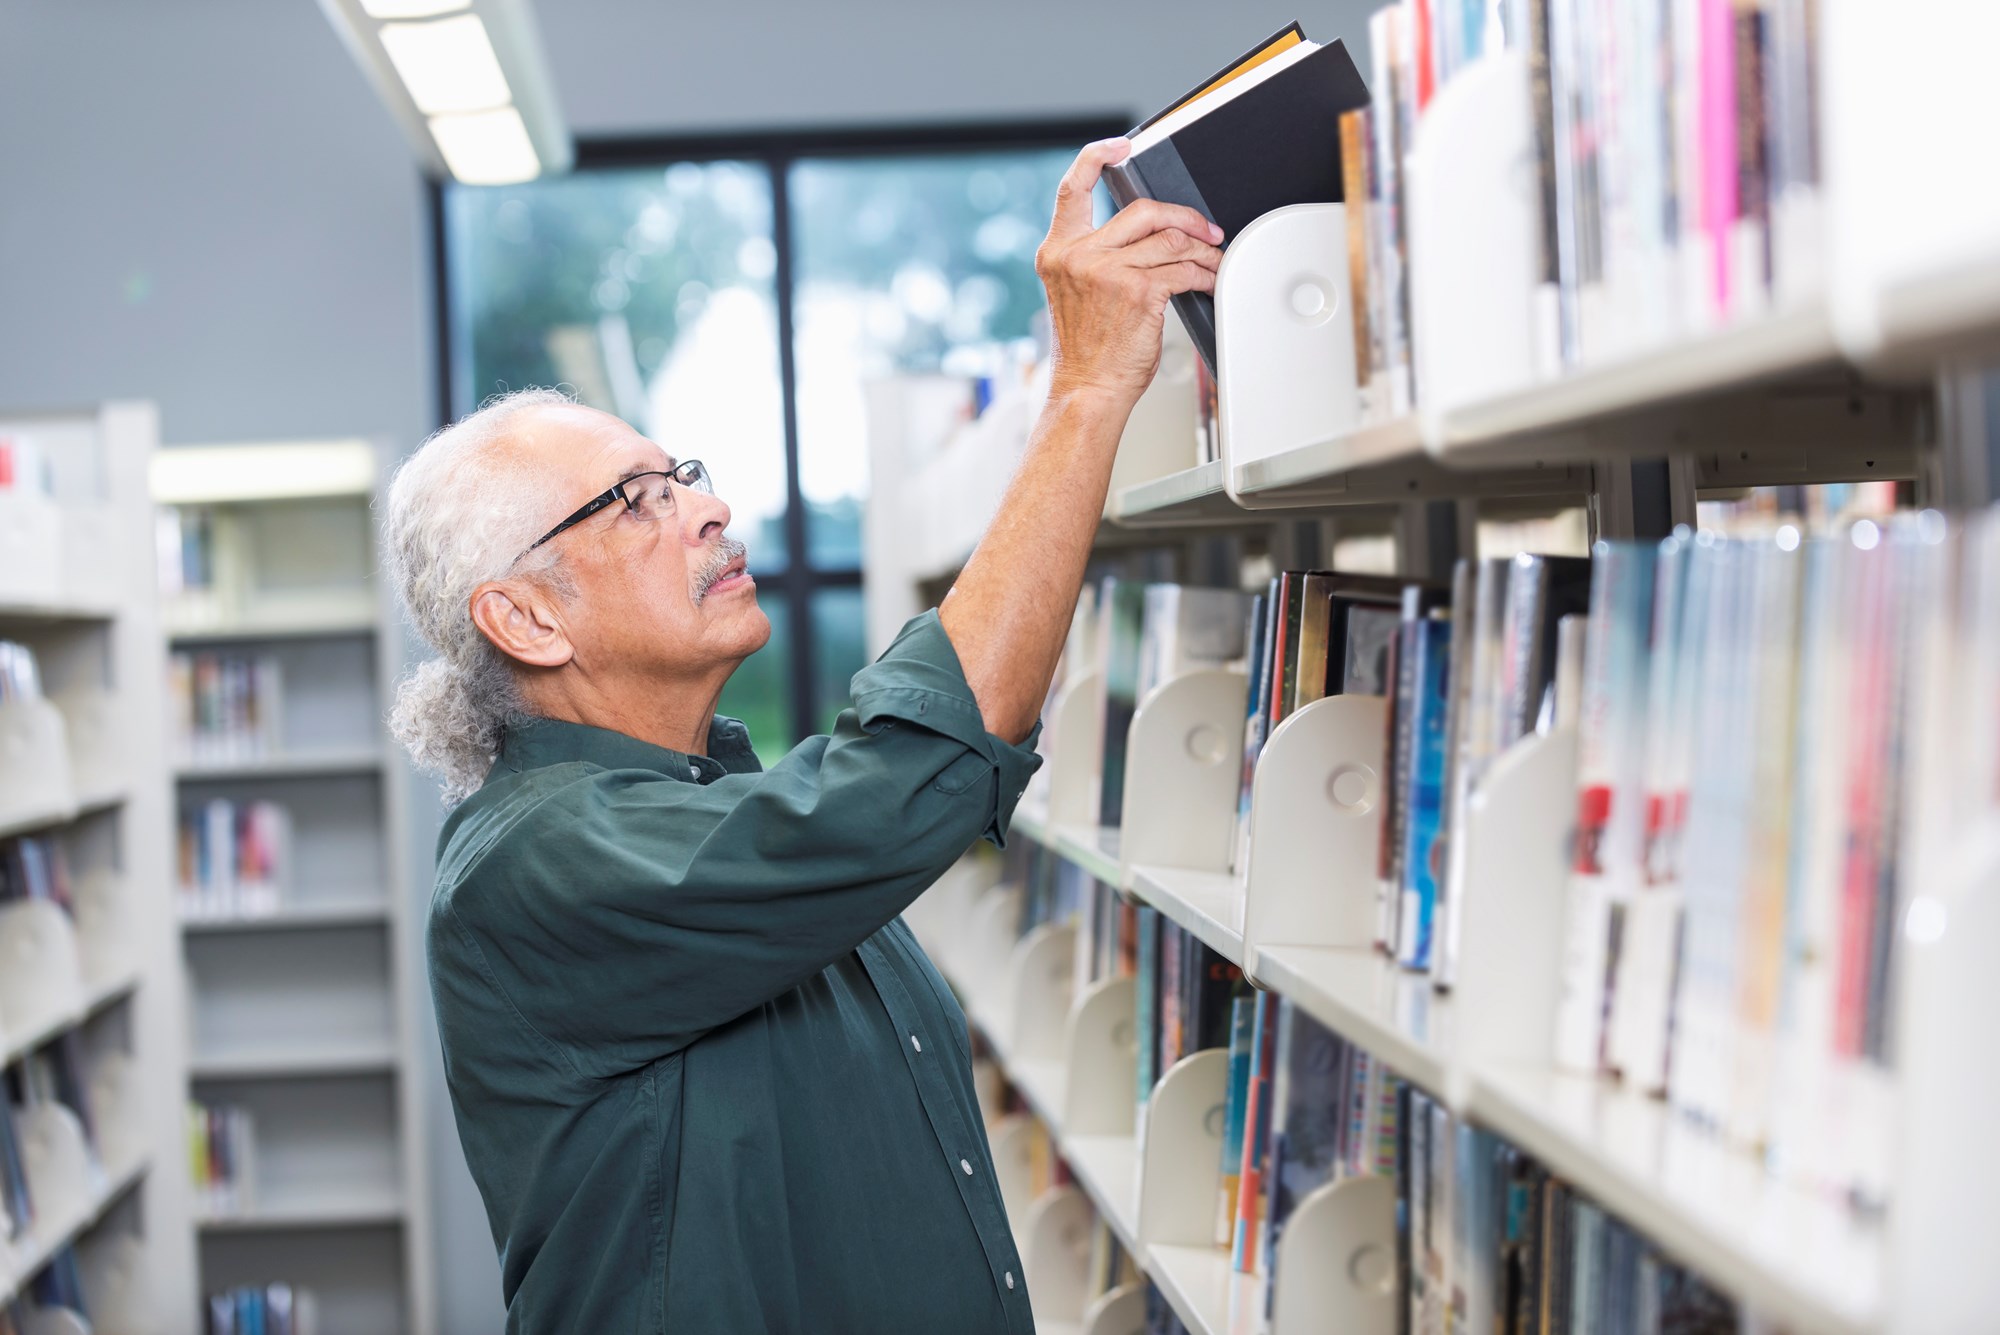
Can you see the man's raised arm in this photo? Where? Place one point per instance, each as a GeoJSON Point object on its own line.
{"type": "Point", "coordinates": [1108, 288]}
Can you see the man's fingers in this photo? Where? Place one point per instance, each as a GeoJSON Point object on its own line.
{"type": "Point", "coordinates": [1184, 276]}
{"type": "Point", "coordinates": [1143, 216]}
{"type": "Point", "coordinates": [1073, 212]}
{"type": "Point", "coordinates": [1169, 247]}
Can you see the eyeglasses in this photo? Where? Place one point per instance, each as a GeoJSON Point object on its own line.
{"type": "Point", "coordinates": [646, 495]}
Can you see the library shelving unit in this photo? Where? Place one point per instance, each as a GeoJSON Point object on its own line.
{"type": "Point", "coordinates": [1866, 380]}
{"type": "Point", "coordinates": [299, 1001]}
{"type": "Point", "coordinates": [86, 765]}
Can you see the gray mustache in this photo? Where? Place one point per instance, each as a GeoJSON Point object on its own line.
{"type": "Point", "coordinates": [727, 551]}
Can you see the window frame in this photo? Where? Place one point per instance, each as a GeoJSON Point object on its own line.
{"type": "Point", "coordinates": [777, 151]}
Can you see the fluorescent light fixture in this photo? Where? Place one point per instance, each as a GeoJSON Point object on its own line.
{"type": "Point", "coordinates": [487, 147]}
{"type": "Point", "coordinates": [467, 81]}
{"type": "Point", "coordinates": [447, 64]}
{"type": "Point", "coordinates": [411, 9]}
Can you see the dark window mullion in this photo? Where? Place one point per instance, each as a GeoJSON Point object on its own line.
{"type": "Point", "coordinates": [798, 568]}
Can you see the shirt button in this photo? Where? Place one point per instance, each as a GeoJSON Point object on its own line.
{"type": "Point", "coordinates": [694, 771]}
{"type": "Point", "coordinates": [915, 1043]}
{"type": "Point", "coordinates": [1009, 1277]}
{"type": "Point", "coordinates": [966, 1164]}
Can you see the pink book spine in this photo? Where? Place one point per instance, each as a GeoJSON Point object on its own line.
{"type": "Point", "coordinates": [1718, 139]}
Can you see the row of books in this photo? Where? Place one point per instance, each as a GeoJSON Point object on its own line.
{"type": "Point", "coordinates": [1677, 175]}
{"type": "Point", "coordinates": [35, 867]}
{"type": "Point", "coordinates": [20, 676]}
{"type": "Point", "coordinates": [1744, 750]}
{"type": "Point", "coordinates": [222, 1159]}
{"type": "Point", "coordinates": [225, 706]}
{"type": "Point", "coordinates": [25, 466]}
{"type": "Point", "coordinates": [269, 1309]}
{"type": "Point", "coordinates": [1677, 158]}
{"type": "Point", "coordinates": [234, 859]}
{"type": "Point", "coordinates": [184, 537]}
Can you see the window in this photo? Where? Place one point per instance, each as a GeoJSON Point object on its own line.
{"type": "Point", "coordinates": [662, 282]}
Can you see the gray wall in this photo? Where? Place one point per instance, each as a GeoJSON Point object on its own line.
{"type": "Point", "coordinates": [201, 204]}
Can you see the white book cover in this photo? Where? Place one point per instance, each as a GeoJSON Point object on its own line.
{"type": "Point", "coordinates": [1606, 865]}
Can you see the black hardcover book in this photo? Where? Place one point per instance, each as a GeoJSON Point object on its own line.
{"type": "Point", "coordinates": [1269, 145]}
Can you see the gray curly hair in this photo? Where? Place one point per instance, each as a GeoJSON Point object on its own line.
{"type": "Point", "coordinates": [458, 515]}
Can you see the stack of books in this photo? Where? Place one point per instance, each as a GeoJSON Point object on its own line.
{"type": "Point", "coordinates": [234, 859]}
{"type": "Point", "coordinates": [222, 1159]}
{"type": "Point", "coordinates": [224, 706]}
{"type": "Point", "coordinates": [270, 1309]}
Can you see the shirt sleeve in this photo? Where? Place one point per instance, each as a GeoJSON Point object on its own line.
{"type": "Point", "coordinates": [628, 913]}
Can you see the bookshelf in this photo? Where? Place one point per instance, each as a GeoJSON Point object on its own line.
{"type": "Point", "coordinates": [299, 940]}
{"type": "Point", "coordinates": [1862, 377]}
{"type": "Point", "coordinates": [84, 767]}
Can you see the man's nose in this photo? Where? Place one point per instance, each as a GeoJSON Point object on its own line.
{"type": "Point", "coordinates": [703, 515]}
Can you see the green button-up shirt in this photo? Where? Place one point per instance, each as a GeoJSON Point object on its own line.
{"type": "Point", "coordinates": [705, 1079]}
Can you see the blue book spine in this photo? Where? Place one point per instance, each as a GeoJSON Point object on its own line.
{"type": "Point", "coordinates": [1422, 851]}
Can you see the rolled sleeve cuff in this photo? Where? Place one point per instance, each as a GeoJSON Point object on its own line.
{"type": "Point", "coordinates": [918, 680]}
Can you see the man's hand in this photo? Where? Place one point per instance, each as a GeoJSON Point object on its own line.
{"type": "Point", "coordinates": [1108, 288]}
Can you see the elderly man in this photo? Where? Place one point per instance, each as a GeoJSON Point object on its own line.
{"type": "Point", "coordinates": [705, 1079]}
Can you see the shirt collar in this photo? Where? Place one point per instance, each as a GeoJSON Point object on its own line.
{"type": "Point", "coordinates": [535, 743]}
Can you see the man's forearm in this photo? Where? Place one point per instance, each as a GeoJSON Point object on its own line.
{"type": "Point", "coordinates": [1108, 292]}
{"type": "Point", "coordinates": [1009, 611]}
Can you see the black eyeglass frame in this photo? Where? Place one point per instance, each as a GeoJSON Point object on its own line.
{"type": "Point", "coordinates": [693, 475]}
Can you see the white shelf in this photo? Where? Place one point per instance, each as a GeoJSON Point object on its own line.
{"type": "Point", "coordinates": [45, 1241]}
{"type": "Point", "coordinates": [1370, 1002]}
{"type": "Point", "coordinates": [1192, 496]}
{"type": "Point", "coordinates": [288, 470]}
{"type": "Point", "coordinates": [274, 628]}
{"type": "Point", "coordinates": [306, 1060]}
{"type": "Point", "coordinates": [1031, 823]}
{"type": "Point", "coordinates": [294, 918]}
{"type": "Point", "coordinates": [1397, 440]}
{"type": "Point", "coordinates": [1208, 904]}
{"type": "Point", "coordinates": [1085, 846]}
{"type": "Point", "coordinates": [1107, 1168]}
{"type": "Point", "coordinates": [14, 1046]}
{"type": "Point", "coordinates": [40, 614]}
{"type": "Point", "coordinates": [1739, 355]}
{"type": "Point", "coordinates": [283, 765]}
{"type": "Point", "coordinates": [360, 1209]}
{"type": "Point", "coordinates": [1800, 1259]}
{"type": "Point", "coordinates": [1195, 1282]}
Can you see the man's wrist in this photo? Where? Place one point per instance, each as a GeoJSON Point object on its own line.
{"type": "Point", "coordinates": [1091, 401]}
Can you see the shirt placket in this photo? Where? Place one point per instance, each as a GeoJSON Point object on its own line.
{"type": "Point", "coordinates": [957, 1138]}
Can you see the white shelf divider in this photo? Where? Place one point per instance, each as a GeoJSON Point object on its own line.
{"type": "Point", "coordinates": [41, 975]}
{"type": "Point", "coordinates": [1180, 1178]}
{"type": "Point", "coordinates": [1342, 1275]}
{"type": "Point", "coordinates": [1119, 1312]}
{"type": "Point", "coordinates": [1284, 337]}
{"type": "Point", "coordinates": [1315, 819]}
{"type": "Point", "coordinates": [1183, 763]}
{"type": "Point", "coordinates": [1055, 1256]}
{"type": "Point", "coordinates": [36, 786]}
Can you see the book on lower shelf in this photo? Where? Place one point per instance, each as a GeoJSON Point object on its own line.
{"type": "Point", "coordinates": [222, 1160]}
{"type": "Point", "coordinates": [234, 859]}
{"type": "Point", "coordinates": [225, 706]}
{"type": "Point", "coordinates": [262, 1309]}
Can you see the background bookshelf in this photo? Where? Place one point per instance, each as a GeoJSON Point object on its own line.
{"type": "Point", "coordinates": [294, 918]}
{"type": "Point", "coordinates": [83, 779]}
{"type": "Point", "coordinates": [1847, 377]}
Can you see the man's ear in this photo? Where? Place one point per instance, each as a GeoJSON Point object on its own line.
{"type": "Point", "coordinates": [521, 624]}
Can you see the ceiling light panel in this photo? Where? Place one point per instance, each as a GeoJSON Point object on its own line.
{"type": "Point", "coordinates": [411, 9]}
{"type": "Point", "coordinates": [486, 147]}
{"type": "Point", "coordinates": [448, 65]}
